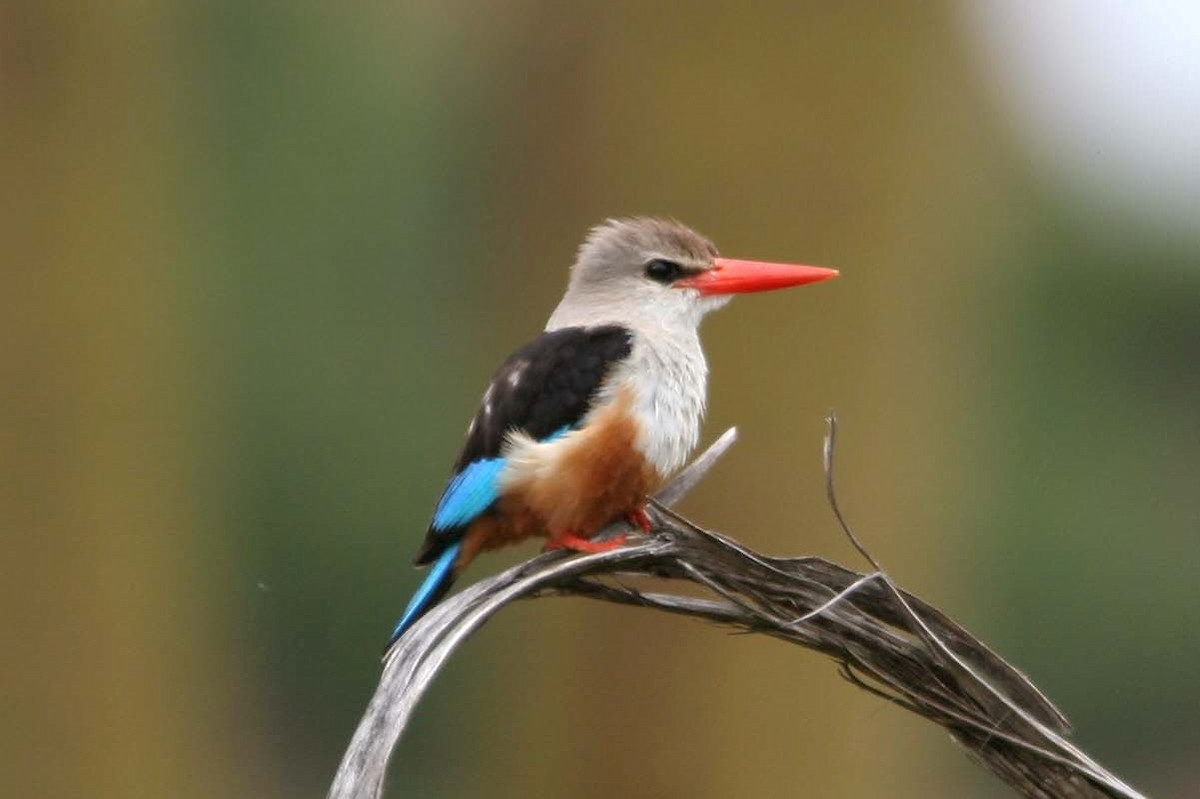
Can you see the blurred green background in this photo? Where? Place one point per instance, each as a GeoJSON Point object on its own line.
{"type": "Point", "coordinates": [261, 259]}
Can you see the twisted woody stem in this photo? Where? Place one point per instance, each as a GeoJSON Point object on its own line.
{"type": "Point", "coordinates": [886, 640]}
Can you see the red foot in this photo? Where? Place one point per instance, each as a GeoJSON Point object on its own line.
{"type": "Point", "coordinates": [574, 542]}
{"type": "Point", "coordinates": [638, 518]}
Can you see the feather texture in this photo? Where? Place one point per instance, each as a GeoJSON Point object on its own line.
{"type": "Point", "coordinates": [469, 493]}
{"type": "Point", "coordinates": [433, 587]}
{"type": "Point", "coordinates": [543, 390]}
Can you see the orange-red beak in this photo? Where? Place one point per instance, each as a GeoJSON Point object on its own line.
{"type": "Point", "coordinates": [730, 276]}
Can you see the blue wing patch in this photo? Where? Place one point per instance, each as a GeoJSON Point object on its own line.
{"type": "Point", "coordinates": [469, 494]}
{"type": "Point", "coordinates": [473, 490]}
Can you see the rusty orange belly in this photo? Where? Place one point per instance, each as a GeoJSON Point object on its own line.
{"type": "Point", "coordinates": [571, 486]}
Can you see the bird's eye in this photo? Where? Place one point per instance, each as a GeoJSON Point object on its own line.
{"type": "Point", "coordinates": [663, 271]}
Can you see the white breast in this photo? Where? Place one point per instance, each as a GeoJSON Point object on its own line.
{"type": "Point", "coordinates": [668, 376]}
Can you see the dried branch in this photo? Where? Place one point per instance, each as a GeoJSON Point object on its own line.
{"type": "Point", "coordinates": [887, 641]}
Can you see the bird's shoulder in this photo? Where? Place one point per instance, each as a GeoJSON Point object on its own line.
{"type": "Point", "coordinates": [545, 386]}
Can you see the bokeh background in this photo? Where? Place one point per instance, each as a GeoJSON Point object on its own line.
{"type": "Point", "coordinates": [261, 258]}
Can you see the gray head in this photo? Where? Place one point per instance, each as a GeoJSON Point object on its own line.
{"type": "Point", "coordinates": [626, 273]}
{"type": "Point", "coordinates": [649, 273]}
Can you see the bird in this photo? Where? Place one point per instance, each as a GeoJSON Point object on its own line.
{"type": "Point", "coordinates": [582, 424]}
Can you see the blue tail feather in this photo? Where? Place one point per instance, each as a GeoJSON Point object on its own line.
{"type": "Point", "coordinates": [436, 583]}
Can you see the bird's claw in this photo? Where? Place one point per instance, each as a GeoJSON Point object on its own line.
{"type": "Point", "coordinates": [638, 518]}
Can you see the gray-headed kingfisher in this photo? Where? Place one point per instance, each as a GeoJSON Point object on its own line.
{"type": "Point", "coordinates": [582, 424]}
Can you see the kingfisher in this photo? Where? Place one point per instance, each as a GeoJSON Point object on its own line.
{"type": "Point", "coordinates": [582, 424]}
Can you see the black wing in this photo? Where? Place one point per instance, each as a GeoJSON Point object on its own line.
{"type": "Point", "coordinates": [544, 387]}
